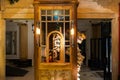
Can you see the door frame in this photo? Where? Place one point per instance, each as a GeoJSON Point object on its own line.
{"type": "Point", "coordinates": [119, 43]}
{"type": "Point", "coordinates": [115, 41]}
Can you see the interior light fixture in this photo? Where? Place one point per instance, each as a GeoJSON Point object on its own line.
{"type": "Point", "coordinates": [38, 31]}
{"type": "Point", "coordinates": [72, 31]}
{"type": "Point", "coordinates": [72, 27]}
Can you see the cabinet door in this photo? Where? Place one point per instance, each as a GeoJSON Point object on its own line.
{"type": "Point", "coordinates": [55, 35]}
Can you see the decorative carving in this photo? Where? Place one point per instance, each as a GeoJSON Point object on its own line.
{"type": "Point", "coordinates": [55, 47]}
{"type": "Point", "coordinates": [80, 57]}
{"type": "Point", "coordinates": [55, 75]}
{"type": "Point", "coordinates": [103, 0]}
{"type": "Point", "coordinates": [13, 1]}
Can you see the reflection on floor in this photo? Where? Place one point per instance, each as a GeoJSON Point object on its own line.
{"type": "Point", "coordinates": [85, 74]}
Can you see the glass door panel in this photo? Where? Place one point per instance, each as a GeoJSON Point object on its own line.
{"type": "Point", "coordinates": [55, 38]}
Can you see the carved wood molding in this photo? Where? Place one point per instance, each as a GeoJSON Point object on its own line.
{"type": "Point", "coordinates": [56, 1]}
{"type": "Point", "coordinates": [55, 74]}
{"type": "Point", "coordinates": [119, 41]}
{"type": "Point", "coordinates": [2, 5]}
{"type": "Point", "coordinates": [104, 0]}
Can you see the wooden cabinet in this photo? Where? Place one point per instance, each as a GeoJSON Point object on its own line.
{"type": "Point", "coordinates": [55, 48]}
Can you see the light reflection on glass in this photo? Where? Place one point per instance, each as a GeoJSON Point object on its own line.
{"type": "Point", "coordinates": [55, 17]}
{"type": "Point", "coordinates": [56, 12]}
{"type": "Point", "coordinates": [61, 18]}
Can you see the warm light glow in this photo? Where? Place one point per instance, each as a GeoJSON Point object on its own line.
{"type": "Point", "coordinates": [56, 12]}
{"type": "Point", "coordinates": [78, 74]}
{"type": "Point", "coordinates": [38, 31]}
{"type": "Point", "coordinates": [72, 31]}
{"type": "Point", "coordinates": [78, 78]}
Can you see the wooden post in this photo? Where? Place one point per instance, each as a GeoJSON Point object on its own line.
{"type": "Point", "coordinates": [2, 49]}
{"type": "Point", "coordinates": [119, 44]}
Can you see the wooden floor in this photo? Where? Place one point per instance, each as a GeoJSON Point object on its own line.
{"type": "Point", "coordinates": [85, 74]}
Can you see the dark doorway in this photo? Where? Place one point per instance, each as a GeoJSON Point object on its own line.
{"type": "Point", "coordinates": [83, 50]}
{"type": "Point", "coordinates": [101, 48]}
{"type": "Point", "coordinates": [97, 46]}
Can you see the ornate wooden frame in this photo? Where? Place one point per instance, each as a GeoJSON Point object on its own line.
{"type": "Point", "coordinates": [62, 45]}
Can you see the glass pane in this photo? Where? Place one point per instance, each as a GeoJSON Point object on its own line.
{"type": "Point", "coordinates": [43, 33]}
{"type": "Point", "coordinates": [67, 31]}
{"type": "Point", "coordinates": [43, 55]}
{"type": "Point", "coordinates": [55, 18]}
{"type": "Point", "coordinates": [61, 28]}
{"type": "Point", "coordinates": [67, 18]}
{"type": "Point", "coordinates": [67, 54]}
{"type": "Point", "coordinates": [43, 12]}
{"type": "Point", "coordinates": [67, 12]}
{"type": "Point", "coordinates": [61, 18]}
{"type": "Point", "coordinates": [67, 42]}
{"type": "Point", "coordinates": [43, 18]}
{"type": "Point", "coordinates": [61, 12]}
{"type": "Point", "coordinates": [49, 18]}
{"type": "Point", "coordinates": [58, 12]}
{"type": "Point", "coordinates": [49, 12]}
{"type": "Point", "coordinates": [52, 26]}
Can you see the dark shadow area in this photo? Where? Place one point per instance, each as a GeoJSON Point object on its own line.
{"type": "Point", "coordinates": [101, 74]}
{"type": "Point", "coordinates": [14, 71]}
